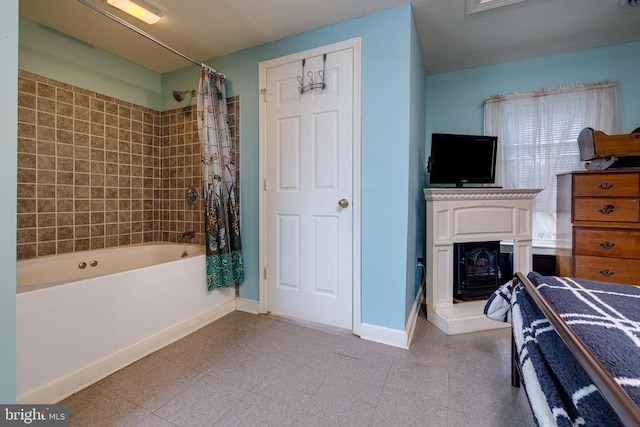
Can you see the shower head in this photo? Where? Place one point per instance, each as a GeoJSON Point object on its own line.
{"type": "Point", "coordinates": [179, 95]}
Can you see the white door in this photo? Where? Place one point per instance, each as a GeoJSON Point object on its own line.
{"type": "Point", "coordinates": [309, 190]}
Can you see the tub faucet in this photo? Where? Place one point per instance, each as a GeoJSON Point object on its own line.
{"type": "Point", "coordinates": [188, 235]}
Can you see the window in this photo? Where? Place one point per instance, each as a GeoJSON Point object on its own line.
{"type": "Point", "coordinates": [537, 139]}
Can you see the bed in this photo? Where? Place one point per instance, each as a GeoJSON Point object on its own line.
{"type": "Point", "coordinates": [576, 348]}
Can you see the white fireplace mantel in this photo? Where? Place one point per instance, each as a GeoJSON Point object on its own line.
{"type": "Point", "coordinates": [474, 214]}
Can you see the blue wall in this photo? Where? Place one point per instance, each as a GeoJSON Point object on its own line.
{"type": "Point", "coordinates": [8, 179]}
{"type": "Point", "coordinates": [387, 70]}
{"type": "Point", "coordinates": [454, 100]}
{"type": "Point", "coordinates": [416, 206]}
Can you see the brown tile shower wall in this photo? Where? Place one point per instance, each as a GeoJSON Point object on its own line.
{"type": "Point", "coordinates": [182, 168]}
{"type": "Point", "coordinates": [96, 172]}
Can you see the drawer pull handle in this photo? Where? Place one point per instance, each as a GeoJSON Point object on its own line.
{"type": "Point", "coordinates": [605, 185]}
{"type": "Point", "coordinates": [607, 209]}
{"type": "Point", "coordinates": [607, 245]}
{"type": "Point", "coordinates": [607, 273]}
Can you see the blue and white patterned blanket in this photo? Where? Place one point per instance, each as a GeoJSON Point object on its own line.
{"type": "Point", "coordinates": [606, 318]}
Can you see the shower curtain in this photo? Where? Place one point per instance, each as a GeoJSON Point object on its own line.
{"type": "Point", "coordinates": [219, 182]}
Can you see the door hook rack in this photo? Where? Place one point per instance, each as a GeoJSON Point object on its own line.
{"type": "Point", "coordinates": [313, 84]}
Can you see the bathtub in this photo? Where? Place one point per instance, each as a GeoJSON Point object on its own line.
{"type": "Point", "coordinates": [82, 316]}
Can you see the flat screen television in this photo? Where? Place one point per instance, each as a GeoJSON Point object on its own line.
{"type": "Point", "coordinates": [462, 159]}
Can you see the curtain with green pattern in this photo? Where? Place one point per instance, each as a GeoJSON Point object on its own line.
{"type": "Point", "coordinates": [219, 181]}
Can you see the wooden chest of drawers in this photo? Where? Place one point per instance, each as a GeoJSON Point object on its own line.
{"type": "Point", "coordinates": [599, 225]}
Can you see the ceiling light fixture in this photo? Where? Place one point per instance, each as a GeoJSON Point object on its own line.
{"type": "Point", "coordinates": [474, 6]}
{"type": "Point", "coordinates": [145, 10]}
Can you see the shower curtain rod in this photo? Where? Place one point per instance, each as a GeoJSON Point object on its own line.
{"type": "Point", "coordinates": [146, 35]}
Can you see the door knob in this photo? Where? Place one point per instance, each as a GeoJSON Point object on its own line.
{"type": "Point", "coordinates": [343, 203]}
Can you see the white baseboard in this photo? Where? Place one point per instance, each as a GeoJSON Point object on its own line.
{"type": "Point", "coordinates": [394, 337]}
{"type": "Point", "coordinates": [413, 316]}
{"type": "Point", "coordinates": [383, 335]}
{"type": "Point", "coordinates": [66, 385]}
{"type": "Point", "coordinates": [248, 305]}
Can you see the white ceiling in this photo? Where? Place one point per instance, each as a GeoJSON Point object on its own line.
{"type": "Point", "coordinates": [451, 40]}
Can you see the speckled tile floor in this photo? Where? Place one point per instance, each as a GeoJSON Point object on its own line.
{"type": "Point", "coordinates": [255, 370]}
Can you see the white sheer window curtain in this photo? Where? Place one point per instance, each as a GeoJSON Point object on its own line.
{"type": "Point", "coordinates": [537, 139]}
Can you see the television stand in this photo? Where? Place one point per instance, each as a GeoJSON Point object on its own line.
{"type": "Point", "coordinates": [461, 185]}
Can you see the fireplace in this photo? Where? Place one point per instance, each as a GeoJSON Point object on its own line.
{"type": "Point", "coordinates": [457, 215]}
{"type": "Point", "coordinates": [478, 270]}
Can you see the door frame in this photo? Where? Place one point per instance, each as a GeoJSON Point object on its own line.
{"type": "Point", "coordinates": [356, 204]}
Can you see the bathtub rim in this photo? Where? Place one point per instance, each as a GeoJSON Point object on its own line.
{"type": "Point", "coordinates": [37, 286]}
